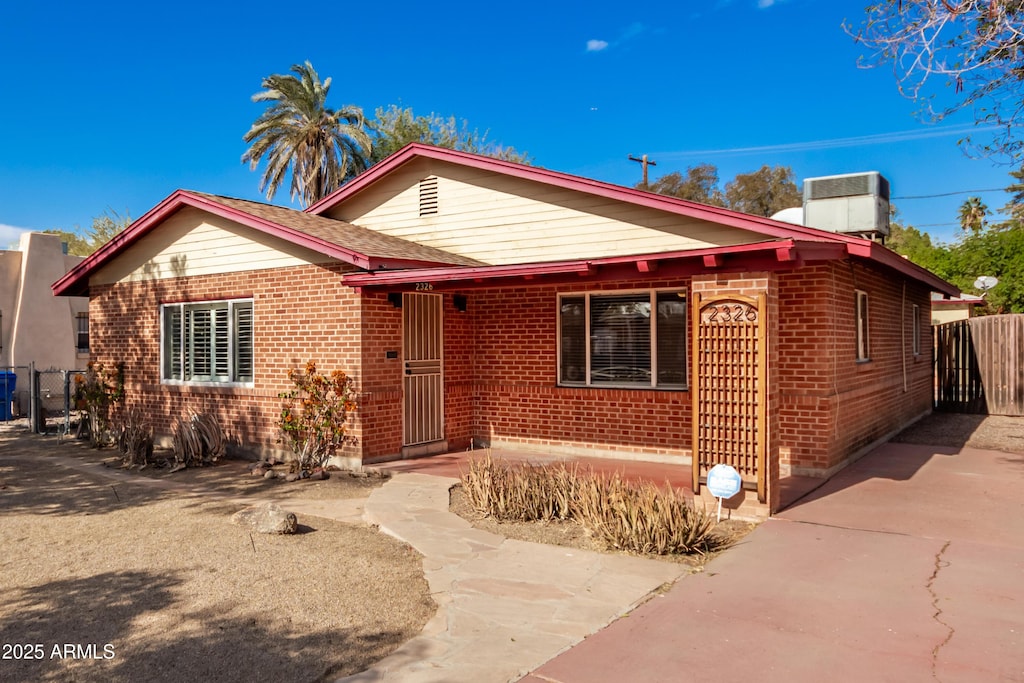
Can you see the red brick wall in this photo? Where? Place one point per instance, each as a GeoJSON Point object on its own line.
{"type": "Point", "coordinates": [513, 335]}
{"type": "Point", "coordinates": [300, 314]}
{"type": "Point", "coordinates": [500, 359]}
{"type": "Point", "coordinates": [833, 405]}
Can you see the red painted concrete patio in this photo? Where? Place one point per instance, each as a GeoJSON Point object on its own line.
{"type": "Point", "coordinates": [905, 566]}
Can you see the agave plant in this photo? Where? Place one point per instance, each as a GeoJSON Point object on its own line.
{"type": "Point", "coordinates": [197, 441]}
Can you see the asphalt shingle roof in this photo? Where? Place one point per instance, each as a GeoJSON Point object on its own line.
{"type": "Point", "coordinates": [345, 235]}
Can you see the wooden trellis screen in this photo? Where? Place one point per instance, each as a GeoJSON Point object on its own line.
{"type": "Point", "coordinates": [730, 393]}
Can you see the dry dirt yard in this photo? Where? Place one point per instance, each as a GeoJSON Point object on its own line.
{"type": "Point", "coordinates": [956, 430]}
{"type": "Point", "coordinates": [110, 581]}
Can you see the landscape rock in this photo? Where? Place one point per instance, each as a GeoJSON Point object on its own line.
{"type": "Point", "coordinates": [267, 518]}
{"type": "Point", "coordinates": [292, 477]}
{"type": "Point", "coordinates": [270, 474]}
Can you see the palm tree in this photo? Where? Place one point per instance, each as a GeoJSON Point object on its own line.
{"type": "Point", "coordinates": [972, 214]}
{"type": "Point", "coordinates": [321, 147]}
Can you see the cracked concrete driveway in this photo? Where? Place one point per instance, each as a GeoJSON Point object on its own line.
{"type": "Point", "coordinates": [906, 566]}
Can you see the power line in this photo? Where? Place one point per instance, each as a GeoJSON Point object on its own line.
{"type": "Point", "coordinates": [949, 194]}
{"type": "Point", "coordinates": [855, 141]}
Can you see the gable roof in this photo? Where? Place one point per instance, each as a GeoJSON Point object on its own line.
{"type": "Point", "coordinates": [768, 228]}
{"type": "Point", "coordinates": [367, 249]}
{"type": "Point", "coordinates": [375, 251]}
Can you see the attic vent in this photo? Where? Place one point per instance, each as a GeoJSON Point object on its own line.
{"type": "Point", "coordinates": [428, 196]}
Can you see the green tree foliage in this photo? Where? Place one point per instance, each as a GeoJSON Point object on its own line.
{"type": "Point", "coordinates": [85, 242]}
{"type": "Point", "coordinates": [763, 192]}
{"type": "Point", "coordinates": [973, 214]}
{"type": "Point", "coordinates": [298, 135]}
{"type": "Point", "coordinates": [394, 127]}
{"type": "Point", "coordinates": [917, 246]}
{"type": "Point", "coordinates": [967, 50]}
{"type": "Point", "coordinates": [996, 250]}
{"type": "Point", "coordinates": [1015, 207]}
{"type": "Point", "coordinates": [699, 184]}
{"type": "Point", "coordinates": [999, 252]}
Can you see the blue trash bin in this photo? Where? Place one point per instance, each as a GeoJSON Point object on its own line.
{"type": "Point", "coordinates": [7, 382]}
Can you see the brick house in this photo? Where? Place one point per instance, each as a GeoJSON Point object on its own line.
{"type": "Point", "coordinates": [479, 302]}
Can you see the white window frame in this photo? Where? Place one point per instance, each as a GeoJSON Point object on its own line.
{"type": "Point", "coordinates": [916, 330]}
{"type": "Point", "coordinates": [588, 334]}
{"type": "Point", "coordinates": [863, 332]}
{"type": "Point", "coordinates": [184, 374]}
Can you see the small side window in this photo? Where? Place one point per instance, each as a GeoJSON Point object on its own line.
{"type": "Point", "coordinates": [82, 332]}
{"type": "Point", "coordinates": [863, 347]}
{"type": "Point", "coordinates": [916, 327]}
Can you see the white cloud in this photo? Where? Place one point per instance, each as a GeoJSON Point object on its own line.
{"type": "Point", "coordinates": [9, 236]}
{"type": "Point", "coordinates": [596, 45]}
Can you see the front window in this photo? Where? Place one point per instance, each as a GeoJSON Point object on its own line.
{"type": "Point", "coordinates": [207, 342]}
{"type": "Point", "coordinates": [634, 339]}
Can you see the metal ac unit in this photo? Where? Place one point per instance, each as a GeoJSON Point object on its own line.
{"type": "Point", "coordinates": [851, 203]}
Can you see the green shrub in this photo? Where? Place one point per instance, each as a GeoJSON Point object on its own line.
{"type": "Point", "coordinates": [634, 517]}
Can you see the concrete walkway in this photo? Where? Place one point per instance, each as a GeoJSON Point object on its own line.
{"type": "Point", "coordinates": [906, 566]}
{"type": "Point", "coordinates": [504, 607]}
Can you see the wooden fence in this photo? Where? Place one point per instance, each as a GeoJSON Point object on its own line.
{"type": "Point", "coordinates": [979, 365]}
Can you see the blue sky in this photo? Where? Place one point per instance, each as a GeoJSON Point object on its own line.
{"type": "Point", "coordinates": [112, 105]}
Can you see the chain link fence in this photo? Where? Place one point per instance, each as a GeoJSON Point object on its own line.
{"type": "Point", "coordinates": [40, 401]}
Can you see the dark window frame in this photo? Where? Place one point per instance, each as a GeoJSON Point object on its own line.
{"type": "Point", "coordinates": [622, 354]}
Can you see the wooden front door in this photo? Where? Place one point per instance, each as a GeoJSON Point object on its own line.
{"type": "Point", "coordinates": [423, 377]}
{"type": "Point", "coordinates": [729, 387]}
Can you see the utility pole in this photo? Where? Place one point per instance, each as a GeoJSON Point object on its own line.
{"type": "Point", "coordinates": [644, 162]}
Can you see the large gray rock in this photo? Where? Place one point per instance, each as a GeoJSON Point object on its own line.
{"type": "Point", "coordinates": [267, 518]}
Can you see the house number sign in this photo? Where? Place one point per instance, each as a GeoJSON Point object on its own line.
{"type": "Point", "coordinates": [728, 312]}
{"type": "Point", "coordinates": [424, 286]}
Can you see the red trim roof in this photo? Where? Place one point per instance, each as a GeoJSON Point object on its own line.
{"type": "Point", "coordinates": [772, 229]}
{"type": "Point", "coordinates": [375, 250]}
{"type": "Point", "coordinates": [765, 226]}
{"type": "Point", "coordinates": [768, 255]}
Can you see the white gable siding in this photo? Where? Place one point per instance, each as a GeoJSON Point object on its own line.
{"type": "Point", "coordinates": [501, 220]}
{"type": "Point", "coordinates": [193, 242]}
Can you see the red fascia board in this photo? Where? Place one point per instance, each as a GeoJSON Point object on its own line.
{"type": "Point", "coordinates": [735, 219]}
{"type": "Point", "coordinates": [578, 267]}
{"type": "Point", "coordinates": [886, 257]}
{"type": "Point", "coordinates": [75, 282]}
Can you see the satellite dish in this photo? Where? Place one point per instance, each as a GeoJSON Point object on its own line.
{"type": "Point", "coordinates": [985, 283]}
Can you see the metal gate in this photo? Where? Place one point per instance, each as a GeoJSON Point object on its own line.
{"type": "Point", "coordinates": [979, 365]}
{"type": "Point", "coordinates": [729, 387]}
{"type": "Point", "coordinates": [423, 380]}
